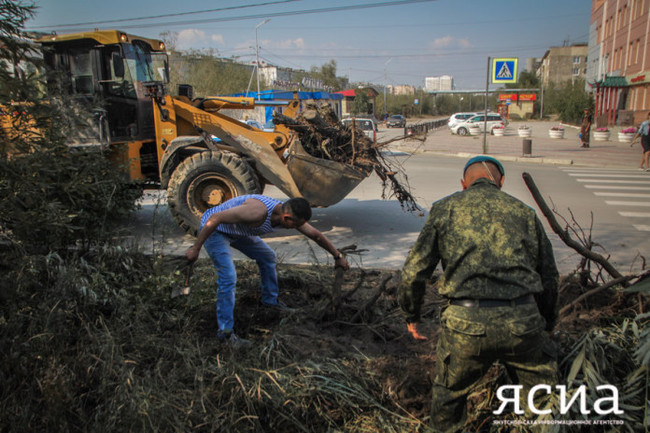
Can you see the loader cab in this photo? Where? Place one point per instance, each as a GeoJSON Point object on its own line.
{"type": "Point", "coordinates": [106, 69]}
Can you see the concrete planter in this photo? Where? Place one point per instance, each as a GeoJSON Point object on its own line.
{"type": "Point", "coordinates": [526, 133]}
{"type": "Point", "coordinates": [499, 132]}
{"type": "Point", "coordinates": [626, 137]}
{"type": "Point", "coordinates": [601, 135]}
{"type": "Point", "coordinates": [556, 133]}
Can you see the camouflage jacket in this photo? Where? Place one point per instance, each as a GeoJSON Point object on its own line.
{"type": "Point", "coordinates": [491, 246]}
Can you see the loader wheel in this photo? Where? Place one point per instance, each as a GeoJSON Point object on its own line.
{"type": "Point", "coordinates": [205, 180]}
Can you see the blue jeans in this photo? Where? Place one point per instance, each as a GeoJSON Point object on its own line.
{"type": "Point", "coordinates": [218, 248]}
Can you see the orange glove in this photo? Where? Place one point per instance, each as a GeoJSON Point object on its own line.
{"type": "Point", "coordinates": [413, 330]}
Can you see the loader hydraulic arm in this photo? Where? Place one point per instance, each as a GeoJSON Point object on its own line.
{"type": "Point", "coordinates": [178, 116]}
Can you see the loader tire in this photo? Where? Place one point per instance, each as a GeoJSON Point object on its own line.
{"type": "Point", "coordinates": [204, 180]}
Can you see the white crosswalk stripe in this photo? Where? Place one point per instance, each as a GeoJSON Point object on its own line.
{"type": "Point", "coordinates": [631, 187]}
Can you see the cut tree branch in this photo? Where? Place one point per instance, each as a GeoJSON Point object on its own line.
{"type": "Point", "coordinates": [566, 238]}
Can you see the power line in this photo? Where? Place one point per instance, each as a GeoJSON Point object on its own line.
{"type": "Point", "coordinates": [255, 16]}
{"type": "Point", "coordinates": [166, 15]}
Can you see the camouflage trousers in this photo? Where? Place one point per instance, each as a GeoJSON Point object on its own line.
{"type": "Point", "coordinates": [471, 340]}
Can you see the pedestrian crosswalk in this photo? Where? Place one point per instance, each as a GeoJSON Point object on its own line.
{"type": "Point", "coordinates": [626, 189]}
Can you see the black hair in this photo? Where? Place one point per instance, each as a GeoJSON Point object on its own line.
{"type": "Point", "coordinates": [299, 208]}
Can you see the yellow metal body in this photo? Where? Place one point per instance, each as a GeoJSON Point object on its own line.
{"type": "Point", "coordinates": [185, 119]}
{"type": "Point", "coordinates": [104, 37]}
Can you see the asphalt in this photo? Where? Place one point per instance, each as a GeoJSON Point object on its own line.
{"type": "Point", "coordinates": [543, 149]}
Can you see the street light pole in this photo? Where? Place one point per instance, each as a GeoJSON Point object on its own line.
{"type": "Point", "coordinates": [257, 56]}
{"type": "Point", "coordinates": [385, 84]}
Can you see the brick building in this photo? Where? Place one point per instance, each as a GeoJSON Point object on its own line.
{"type": "Point", "coordinates": [619, 60]}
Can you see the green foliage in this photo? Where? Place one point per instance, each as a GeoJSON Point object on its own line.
{"type": "Point", "coordinates": [610, 356]}
{"type": "Point", "coordinates": [361, 105]}
{"type": "Point", "coordinates": [327, 74]}
{"type": "Point", "coordinates": [208, 74]}
{"type": "Point", "coordinates": [527, 80]}
{"type": "Point", "coordinates": [50, 197]}
{"type": "Point", "coordinates": [568, 100]}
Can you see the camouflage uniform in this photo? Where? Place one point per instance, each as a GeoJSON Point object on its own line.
{"type": "Point", "coordinates": [492, 247]}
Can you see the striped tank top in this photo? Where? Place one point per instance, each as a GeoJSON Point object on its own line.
{"type": "Point", "coordinates": [243, 229]}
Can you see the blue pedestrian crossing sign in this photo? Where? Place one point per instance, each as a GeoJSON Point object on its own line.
{"type": "Point", "coordinates": [504, 70]}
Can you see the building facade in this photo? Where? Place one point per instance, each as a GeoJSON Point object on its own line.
{"type": "Point", "coordinates": [400, 90]}
{"type": "Point", "coordinates": [348, 100]}
{"type": "Point", "coordinates": [619, 60]}
{"type": "Point", "coordinates": [562, 64]}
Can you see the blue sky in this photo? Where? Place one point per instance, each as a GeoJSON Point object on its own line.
{"type": "Point", "coordinates": [401, 43]}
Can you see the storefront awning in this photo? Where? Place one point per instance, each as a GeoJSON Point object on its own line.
{"type": "Point", "coordinates": [611, 82]}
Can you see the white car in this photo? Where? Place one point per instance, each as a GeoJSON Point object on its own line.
{"type": "Point", "coordinates": [367, 125]}
{"type": "Point", "coordinates": [478, 121]}
{"type": "Point", "coordinates": [457, 118]}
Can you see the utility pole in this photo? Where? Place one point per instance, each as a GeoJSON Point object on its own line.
{"type": "Point", "coordinates": [257, 56]}
{"type": "Point", "coordinates": [487, 85]}
{"type": "Point", "coordinates": [385, 85]}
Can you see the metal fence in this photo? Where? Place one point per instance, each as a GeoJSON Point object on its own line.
{"type": "Point", "coordinates": [425, 127]}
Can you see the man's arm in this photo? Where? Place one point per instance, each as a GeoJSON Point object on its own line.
{"type": "Point", "coordinates": [315, 235]}
{"type": "Point", "coordinates": [249, 212]}
{"type": "Point", "coordinates": [419, 266]}
{"type": "Point", "coordinates": [547, 269]}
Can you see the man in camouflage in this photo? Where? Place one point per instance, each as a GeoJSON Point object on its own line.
{"type": "Point", "coordinates": [501, 280]}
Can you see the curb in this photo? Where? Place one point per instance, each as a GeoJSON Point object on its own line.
{"type": "Point", "coordinates": [528, 159]}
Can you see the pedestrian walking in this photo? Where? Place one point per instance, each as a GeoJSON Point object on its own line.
{"type": "Point", "coordinates": [644, 134]}
{"type": "Point", "coordinates": [585, 129]}
{"type": "Point", "coordinates": [501, 282]}
{"type": "Point", "coordinates": [239, 223]}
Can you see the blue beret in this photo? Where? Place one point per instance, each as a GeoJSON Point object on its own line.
{"type": "Point", "coordinates": [485, 158]}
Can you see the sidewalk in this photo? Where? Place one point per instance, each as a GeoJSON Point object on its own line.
{"type": "Point", "coordinates": [544, 150]}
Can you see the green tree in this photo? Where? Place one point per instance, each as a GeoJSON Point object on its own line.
{"type": "Point", "coordinates": [50, 197]}
{"type": "Point", "coordinates": [527, 80]}
{"type": "Point", "coordinates": [361, 103]}
{"type": "Point", "coordinates": [208, 74]}
{"type": "Point", "coordinates": [568, 101]}
{"type": "Point", "coordinates": [327, 74]}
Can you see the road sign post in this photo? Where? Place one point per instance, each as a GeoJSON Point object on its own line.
{"type": "Point", "coordinates": [504, 70]}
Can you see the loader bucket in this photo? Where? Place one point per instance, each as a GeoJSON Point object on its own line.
{"type": "Point", "coordinates": [322, 182]}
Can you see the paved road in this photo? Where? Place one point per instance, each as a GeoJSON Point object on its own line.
{"type": "Point", "coordinates": [614, 196]}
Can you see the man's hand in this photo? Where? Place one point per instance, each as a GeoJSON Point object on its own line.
{"type": "Point", "coordinates": [413, 330]}
{"type": "Point", "coordinates": [342, 263]}
{"type": "Point", "coordinates": [192, 254]}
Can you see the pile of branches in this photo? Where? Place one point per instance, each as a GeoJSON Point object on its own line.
{"type": "Point", "coordinates": [322, 135]}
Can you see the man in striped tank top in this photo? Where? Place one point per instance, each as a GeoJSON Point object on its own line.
{"type": "Point", "coordinates": [239, 223]}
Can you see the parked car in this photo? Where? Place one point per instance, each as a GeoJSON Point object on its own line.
{"type": "Point", "coordinates": [478, 121]}
{"type": "Point", "coordinates": [366, 124]}
{"type": "Point", "coordinates": [396, 121]}
{"type": "Point", "coordinates": [457, 118]}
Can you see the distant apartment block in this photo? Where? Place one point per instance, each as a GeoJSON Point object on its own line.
{"type": "Point", "coordinates": [443, 82]}
{"type": "Point", "coordinates": [619, 60]}
{"type": "Point", "coordinates": [400, 90]}
{"type": "Point", "coordinates": [532, 63]}
{"type": "Point", "coordinates": [562, 64]}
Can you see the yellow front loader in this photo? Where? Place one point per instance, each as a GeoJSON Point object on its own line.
{"type": "Point", "coordinates": [170, 140]}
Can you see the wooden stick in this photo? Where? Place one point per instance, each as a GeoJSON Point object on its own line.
{"type": "Point", "coordinates": [566, 238]}
{"type": "Point", "coordinates": [592, 292]}
{"type": "Point", "coordinates": [372, 300]}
